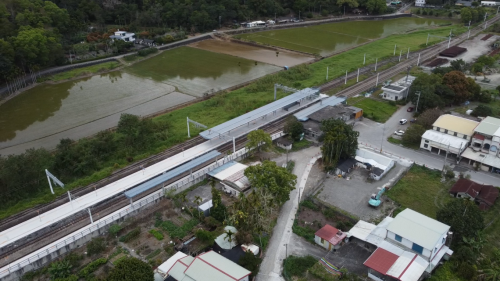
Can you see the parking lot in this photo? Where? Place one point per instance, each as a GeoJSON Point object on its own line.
{"type": "Point", "coordinates": [352, 194]}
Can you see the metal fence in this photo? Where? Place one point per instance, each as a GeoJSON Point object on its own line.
{"type": "Point", "coordinates": [114, 217]}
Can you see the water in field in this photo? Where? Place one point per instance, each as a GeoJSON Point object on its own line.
{"type": "Point", "coordinates": [329, 38]}
{"type": "Point", "coordinates": [89, 104]}
{"type": "Point", "coordinates": [195, 71]}
{"type": "Point", "coordinates": [265, 55]}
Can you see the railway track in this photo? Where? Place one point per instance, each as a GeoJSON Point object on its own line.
{"type": "Point", "coordinates": [111, 205]}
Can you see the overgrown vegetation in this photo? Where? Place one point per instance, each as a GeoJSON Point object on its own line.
{"type": "Point", "coordinates": [297, 266]}
{"type": "Point", "coordinates": [376, 110]}
{"type": "Point", "coordinates": [131, 235]}
{"type": "Point", "coordinates": [175, 231]}
{"type": "Point", "coordinates": [157, 234]}
{"type": "Point", "coordinates": [91, 267]}
{"type": "Point", "coordinates": [89, 70]}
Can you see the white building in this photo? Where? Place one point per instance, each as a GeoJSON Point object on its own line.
{"type": "Point", "coordinates": [420, 3]}
{"type": "Point", "coordinates": [124, 36]}
{"type": "Point", "coordinates": [398, 90]}
{"type": "Point", "coordinates": [209, 266]}
{"type": "Point", "coordinates": [409, 241]}
{"type": "Point", "coordinates": [232, 177]}
{"type": "Point", "coordinates": [485, 145]}
{"type": "Point", "coordinates": [489, 3]}
{"type": "Point", "coordinates": [449, 133]}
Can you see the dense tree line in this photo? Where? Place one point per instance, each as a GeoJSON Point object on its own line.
{"type": "Point", "coordinates": [23, 176]}
{"type": "Point", "coordinates": [37, 34]}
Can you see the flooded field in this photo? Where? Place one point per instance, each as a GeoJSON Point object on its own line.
{"type": "Point", "coordinates": [326, 39]}
{"type": "Point", "coordinates": [85, 106]}
{"type": "Point", "coordinates": [194, 71]}
{"type": "Point", "coordinates": [253, 53]}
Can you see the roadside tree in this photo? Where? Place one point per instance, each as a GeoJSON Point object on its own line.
{"type": "Point", "coordinates": [293, 127]}
{"type": "Point", "coordinates": [482, 110]}
{"type": "Point", "coordinates": [458, 83]}
{"type": "Point", "coordinates": [277, 180]}
{"type": "Point", "coordinates": [376, 6]}
{"type": "Point", "coordinates": [259, 140]}
{"type": "Point", "coordinates": [413, 135]}
{"type": "Point", "coordinates": [464, 218]}
{"type": "Point", "coordinates": [340, 142]}
{"type": "Point", "coordinates": [426, 84]}
{"type": "Point", "coordinates": [428, 117]}
{"type": "Point", "coordinates": [466, 15]}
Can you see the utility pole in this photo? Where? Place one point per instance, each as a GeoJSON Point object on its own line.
{"type": "Point", "coordinates": [408, 54]}
{"type": "Point", "coordinates": [345, 82]}
{"type": "Point", "coordinates": [364, 59]}
{"type": "Point", "coordinates": [400, 52]}
{"type": "Point", "coordinates": [357, 77]}
{"type": "Point", "coordinates": [383, 136]}
{"type": "Point", "coordinates": [418, 60]}
{"type": "Point", "coordinates": [376, 61]}
{"type": "Point", "coordinates": [189, 135]}
{"type": "Point", "coordinates": [418, 94]}
{"type": "Point", "coordinates": [446, 156]}
{"type": "Point", "coordinates": [376, 83]}
{"type": "Point", "coordinates": [395, 49]}
{"type": "Point", "coordinates": [327, 73]}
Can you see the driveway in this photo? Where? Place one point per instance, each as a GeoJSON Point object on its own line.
{"type": "Point", "coordinates": [300, 247]}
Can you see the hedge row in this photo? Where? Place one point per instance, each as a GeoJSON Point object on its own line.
{"type": "Point", "coordinates": [131, 235]}
{"type": "Point", "coordinates": [91, 267]}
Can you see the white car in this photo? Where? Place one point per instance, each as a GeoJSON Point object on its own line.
{"type": "Point", "coordinates": [403, 121]}
{"type": "Point", "coordinates": [399, 132]}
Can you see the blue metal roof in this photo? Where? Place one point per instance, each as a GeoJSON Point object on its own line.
{"type": "Point", "coordinates": [259, 112]}
{"type": "Point", "coordinates": [171, 174]}
{"type": "Point", "coordinates": [221, 168]}
{"type": "Point", "coordinates": [331, 101]}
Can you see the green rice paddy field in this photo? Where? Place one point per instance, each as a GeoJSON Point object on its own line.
{"type": "Point", "coordinates": [326, 39]}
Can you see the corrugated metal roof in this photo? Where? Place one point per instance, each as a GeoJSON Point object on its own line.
{"type": "Point", "coordinates": [418, 228]}
{"type": "Point", "coordinates": [171, 174]}
{"type": "Point", "coordinates": [257, 113]}
{"type": "Point", "coordinates": [401, 264]}
{"type": "Point", "coordinates": [415, 270]}
{"type": "Point", "coordinates": [488, 126]}
{"type": "Point", "coordinates": [223, 241]}
{"type": "Point", "coordinates": [381, 260]}
{"type": "Point", "coordinates": [331, 101]}
{"type": "Point", "coordinates": [222, 168]}
{"type": "Point", "coordinates": [165, 267]}
{"type": "Point", "coordinates": [220, 268]}
{"type": "Point", "coordinates": [362, 229]}
{"type": "Point", "coordinates": [456, 124]}
{"type": "Point", "coordinates": [444, 140]}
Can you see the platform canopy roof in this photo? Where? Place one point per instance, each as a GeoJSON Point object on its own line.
{"type": "Point", "coordinates": [226, 127]}
{"type": "Point", "coordinates": [171, 174]}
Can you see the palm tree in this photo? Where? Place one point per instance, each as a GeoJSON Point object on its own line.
{"type": "Point", "coordinates": [229, 235]}
{"type": "Point", "coordinates": [184, 201]}
{"type": "Point", "coordinates": [197, 201]}
{"type": "Point", "coordinates": [490, 274]}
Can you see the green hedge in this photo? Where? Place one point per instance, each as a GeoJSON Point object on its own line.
{"type": "Point", "coordinates": [153, 254]}
{"type": "Point", "coordinates": [158, 235]}
{"type": "Point", "coordinates": [305, 232]}
{"type": "Point", "coordinates": [91, 267]}
{"type": "Point", "coordinates": [145, 52]}
{"type": "Point", "coordinates": [131, 235]}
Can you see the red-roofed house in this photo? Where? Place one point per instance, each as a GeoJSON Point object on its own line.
{"type": "Point", "coordinates": [329, 237]}
{"type": "Point", "coordinates": [395, 265]}
{"type": "Point", "coordinates": [483, 195]}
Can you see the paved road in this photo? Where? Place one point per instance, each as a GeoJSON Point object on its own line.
{"type": "Point", "coordinates": [271, 266]}
{"type": "Point", "coordinates": [370, 136]}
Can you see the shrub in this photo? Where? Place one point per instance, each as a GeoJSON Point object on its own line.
{"type": "Point", "coordinates": [309, 204]}
{"type": "Point", "coordinates": [341, 225]}
{"type": "Point", "coordinates": [309, 15]}
{"type": "Point", "coordinates": [204, 236]}
{"type": "Point", "coordinates": [145, 52]}
{"type": "Point", "coordinates": [324, 12]}
{"type": "Point", "coordinates": [95, 246]}
{"type": "Point", "coordinates": [131, 235]}
{"type": "Point", "coordinates": [158, 235]}
{"type": "Point", "coordinates": [329, 213]}
{"type": "Point", "coordinates": [297, 266]}
{"type": "Point", "coordinates": [91, 267]}
{"type": "Point", "coordinates": [211, 222]}
{"type": "Point", "coordinates": [114, 229]}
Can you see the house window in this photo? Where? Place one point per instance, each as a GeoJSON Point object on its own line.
{"type": "Point", "coordinates": [444, 239]}
{"type": "Point", "coordinates": [438, 129]}
{"type": "Point", "coordinates": [445, 131]}
{"type": "Point", "coordinates": [426, 141]}
{"type": "Point", "coordinates": [322, 241]}
{"type": "Point", "coordinates": [455, 134]}
{"type": "Point", "coordinates": [465, 137]}
{"type": "Point", "coordinates": [417, 248]}
{"type": "Point", "coordinates": [398, 238]}
{"type": "Point", "coordinates": [426, 145]}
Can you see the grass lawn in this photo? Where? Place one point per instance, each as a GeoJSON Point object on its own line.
{"type": "Point", "coordinates": [131, 58]}
{"type": "Point", "coordinates": [84, 71]}
{"type": "Point", "coordinates": [394, 140]}
{"type": "Point", "coordinates": [421, 189]}
{"type": "Point", "coordinates": [378, 111]}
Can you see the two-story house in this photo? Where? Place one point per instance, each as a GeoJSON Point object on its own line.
{"type": "Point", "coordinates": [450, 134]}
{"type": "Point", "coordinates": [407, 247]}
{"type": "Point", "coordinates": [420, 3]}
{"type": "Point", "coordinates": [485, 145]}
{"type": "Point", "coordinates": [123, 35]}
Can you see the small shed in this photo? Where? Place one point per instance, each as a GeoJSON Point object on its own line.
{"type": "Point", "coordinates": [205, 208]}
{"type": "Point", "coordinates": [284, 143]}
{"type": "Point", "coordinates": [345, 166]}
{"type": "Point", "coordinates": [329, 237]}
{"type": "Point", "coordinates": [223, 239]}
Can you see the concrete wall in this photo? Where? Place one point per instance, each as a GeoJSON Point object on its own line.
{"type": "Point", "coordinates": [426, 253]}
{"type": "Point", "coordinates": [452, 133]}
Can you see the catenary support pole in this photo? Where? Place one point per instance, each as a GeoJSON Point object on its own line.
{"type": "Point", "coordinates": [376, 61]}
{"type": "Point", "coordinates": [376, 83]}
{"type": "Point", "coordinates": [400, 53]}
{"type": "Point", "coordinates": [418, 60]}
{"type": "Point", "coordinates": [357, 77]}
{"type": "Point", "coordinates": [326, 74]}
{"type": "Point", "coordinates": [364, 59]}
{"type": "Point", "coordinates": [50, 184]}
{"type": "Point", "coordinates": [189, 135]}
{"type": "Point", "coordinates": [408, 54]}
{"type": "Point", "coordinates": [427, 42]}
{"type": "Point", "coordinates": [234, 145]}
{"type": "Point", "coordinates": [395, 49]}
{"type": "Point", "coordinates": [69, 196]}
{"type": "Point", "coordinates": [449, 42]}
{"type": "Point", "coordinates": [90, 214]}
{"type": "Point", "coordinates": [274, 91]}
{"type": "Point", "coordinates": [345, 82]}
